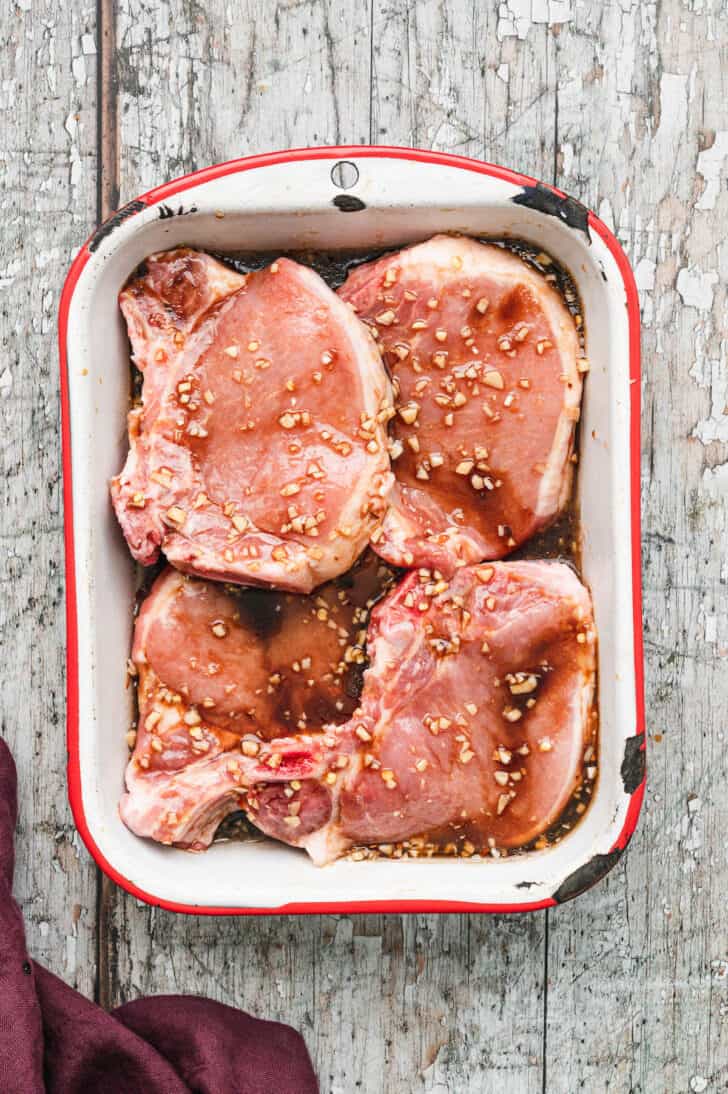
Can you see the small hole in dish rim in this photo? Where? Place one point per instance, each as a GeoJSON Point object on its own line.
{"type": "Point", "coordinates": [345, 174]}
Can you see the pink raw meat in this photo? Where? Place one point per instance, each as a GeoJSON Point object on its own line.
{"type": "Point", "coordinates": [259, 452]}
{"type": "Point", "coordinates": [222, 668]}
{"type": "Point", "coordinates": [486, 359]}
{"type": "Point", "coordinates": [471, 735]}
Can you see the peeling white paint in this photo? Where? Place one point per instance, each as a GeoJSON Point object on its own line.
{"type": "Point", "coordinates": [710, 164]}
{"type": "Point", "coordinates": [552, 11]}
{"type": "Point", "coordinates": [715, 482]}
{"type": "Point", "coordinates": [693, 82]}
{"type": "Point", "coordinates": [711, 373]}
{"type": "Point", "coordinates": [70, 955]}
{"type": "Point", "coordinates": [9, 89]}
{"type": "Point", "coordinates": [88, 45]}
{"type": "Point", "coordinates": [6, 383]}
{"type": "Point", "coordinates": [644, 275]}
{"type": "Point", "coordinates": [691, 827]}
{"type": "Point", "coordinates": [9, 272]}
{"type": "Point", "coordinates": [670, 134]}
{"type": "Point", "coordinates": [78, 68]}
{"type": "Point", "coordinates": [514, 19]}
{"type": "Point", "coordinates": [503, 72]}
{"type": "Point", "coordinates": [696, 287]}
{"type": "Point", "coordinates": [606, 213]}
{"type": "Point", "coordinates": [71, 125]}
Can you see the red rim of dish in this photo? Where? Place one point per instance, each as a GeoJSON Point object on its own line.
{"type": "Point", "coordinates": [248, 163]}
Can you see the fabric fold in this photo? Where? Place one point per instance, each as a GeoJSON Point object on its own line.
{"type": "Point", "coordinates": [53, 1040]}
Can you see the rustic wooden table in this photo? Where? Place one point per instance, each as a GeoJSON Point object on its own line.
{"type": "Point", "coordinates": [620, 102]}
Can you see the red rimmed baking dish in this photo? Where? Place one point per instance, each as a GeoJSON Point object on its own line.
{"type": "Point", "coordinates": [296, 200]}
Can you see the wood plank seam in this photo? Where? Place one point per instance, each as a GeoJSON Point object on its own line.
{"type": "Point", "coordinates": [107, 111]}
{"type": "Point", "coordinates": [107, 200]}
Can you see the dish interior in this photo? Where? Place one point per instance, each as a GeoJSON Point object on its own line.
{"type": "Point", "coordinates": [289, 207]}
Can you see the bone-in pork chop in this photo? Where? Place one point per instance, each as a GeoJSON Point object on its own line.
{"type": "Point", "coordinates": [470, 736]}
{"type": "Point", "coordinates": [486, 358]}
{"type": "Point", "coordinates": [478, 702]}
{"type": "Point", "coordinates": [475, 719]}
{"type": "Point", "coordinates": [258, 454]}
{"type": "Point", "coordinates": [222, 668]}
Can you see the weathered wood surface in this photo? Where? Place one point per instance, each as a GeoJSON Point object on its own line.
{"type": "Point", "coordinates": [624, 105]}
{"type": "Point", "coordinates": [47, 203]}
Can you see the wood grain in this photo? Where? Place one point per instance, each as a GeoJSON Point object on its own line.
{"type": "Point", "coordinates": [622, 104]}
{"type": "Point", "coordinates": [447, 76]}
{"type": "Point", "coordinates": [48, 188]}
{"type": "Point", "coordinates": [637, 994]}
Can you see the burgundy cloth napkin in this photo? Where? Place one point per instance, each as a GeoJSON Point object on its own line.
{"type": "Point", "coordinates": [54, 1040]}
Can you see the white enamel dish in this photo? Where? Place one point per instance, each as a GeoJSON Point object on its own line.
{"type": "Point", "coordinates": [285, 201]}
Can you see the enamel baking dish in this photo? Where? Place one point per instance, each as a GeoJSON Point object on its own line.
{"type": "Point", "coordinates": [330, 198]}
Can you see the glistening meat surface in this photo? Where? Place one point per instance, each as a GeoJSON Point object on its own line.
{"type": "Point", "coordinates": [475, 720]}
{"type": "Point", "coordinates": [486, 359]}
{"type": "Point", "coordinates": [222, 669]}
{"type": "Point", "coordinates": [470, 736]}
{"type": "Point", "coordinates": [478, 702]}
{"type": "Point", "coordinates": [259, 452]}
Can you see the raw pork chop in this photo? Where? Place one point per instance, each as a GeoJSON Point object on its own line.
{"type": "Point", "coordinates": [485, 355]}
{"type": "Point", "coordinates": [259, 453]}
{"type": "Point", "coordinates": [478, 701]}
{"type": "Point", "coordinates": [224, 668]}
{"type": "Point", "coordinates": [470, 736]}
